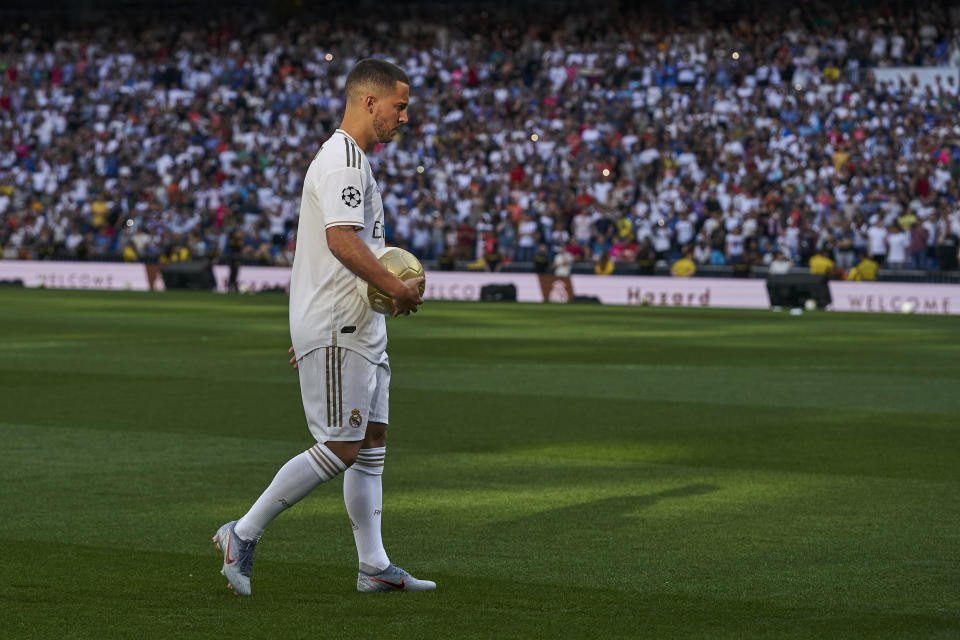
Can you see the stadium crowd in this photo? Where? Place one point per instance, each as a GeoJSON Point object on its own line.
{"type": "Point", "coordinates": [616, 136]}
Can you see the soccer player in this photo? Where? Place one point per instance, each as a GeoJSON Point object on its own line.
{"type": "Point", "coordinates": [339, 343]}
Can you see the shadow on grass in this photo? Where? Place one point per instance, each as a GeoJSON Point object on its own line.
{"type": "Point", "coordinates": [591, 518]}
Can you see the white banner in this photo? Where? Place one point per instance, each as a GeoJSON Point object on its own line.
{"type": "Point", "coordinates": [668, 291]}
{"type": "Point", "coordinates": [253, 279]}
{"type": "Point", "coordinates": [891, 296]}
{"type": "Point", "coordinates": [531, 287]}
{"type": "Point", "coordinates": [466, 285]}
{"type": "Point", "coordinates": [924, 77]}
{"type": "Point", "coordinates": [649, 290]}
{"type": "Point", "coordinates": [77, 275]}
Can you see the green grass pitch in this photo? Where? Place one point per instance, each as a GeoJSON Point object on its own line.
{"type": "Point", "coordinates": [560, 471]}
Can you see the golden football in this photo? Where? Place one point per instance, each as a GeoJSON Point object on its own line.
{"type": "Point", "coordinates": [400, 263]}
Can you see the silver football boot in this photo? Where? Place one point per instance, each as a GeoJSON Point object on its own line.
{"type": "Point", "coordinates": [393, 578]}
{"type": "Point", "coordinates": [237, 558]}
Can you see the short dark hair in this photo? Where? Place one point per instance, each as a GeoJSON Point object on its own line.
{"type": "Point", "coordinates": [376, 73]}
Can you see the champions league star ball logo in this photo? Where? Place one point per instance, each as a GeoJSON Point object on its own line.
{"type": "Point", "coordinates": [350, 197]}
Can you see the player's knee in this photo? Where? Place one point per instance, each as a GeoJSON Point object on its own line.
{"type": "Point", "coordinates": [374, 443]}
{"type": "Point", "coordinates": [376, 435]}
{"type": "Point", "coordinates": [346, 451]}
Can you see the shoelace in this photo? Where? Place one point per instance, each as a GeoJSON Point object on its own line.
{"type": "Point", "coordinates": [397, 571]}
{"type": "Point", "coordinates": [245, 556]}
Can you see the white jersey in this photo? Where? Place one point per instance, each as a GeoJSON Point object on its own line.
{"type": "Point", "coordinates": [897, 244]}
{"type": "Point", "coordinates": [326, 308]}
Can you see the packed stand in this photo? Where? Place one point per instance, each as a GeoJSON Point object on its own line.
{"type": "Point", "coordinates": [629, 139]}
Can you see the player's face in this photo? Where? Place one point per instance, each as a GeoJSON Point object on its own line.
{"type": "Point", "coordinates": [391, 113]}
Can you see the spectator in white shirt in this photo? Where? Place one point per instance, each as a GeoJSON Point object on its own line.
{"type": "Point", "coordinates": [877, 242]}
{"type": "Point", "coordinates": [897, 243]}
{"type": "Point", "coordinates": [562, 262]}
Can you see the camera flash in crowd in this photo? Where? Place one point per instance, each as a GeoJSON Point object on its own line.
{"type": "Point", "coordinates": [328, 57]}
{"type": "Point", "coordinates": [736, 55]}
{"type": "Point", "coordinates": [605, 172]}
{"type": "Point", "coordinates": [534, 137]}
{"type": "Point", "coordinates": [420, 168]}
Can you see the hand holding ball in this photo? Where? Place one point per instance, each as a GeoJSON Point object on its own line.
{"type": "Point", "coordinates": [400, 263]}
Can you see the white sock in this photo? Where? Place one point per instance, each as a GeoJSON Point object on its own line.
{"type": "Point", "coordinates": [296, 479]}
{"type": "Point", "coordinates": [363, 495]}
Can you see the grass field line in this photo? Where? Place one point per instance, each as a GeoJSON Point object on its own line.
{"type": "Point", "coordinates": [714, 338]}
{"type": "Point", "coordinates": [72, 339]}
{"type": "Point", "coordinates": [774, 390]}
{"type": "Point", "coordinates": [114, 344]}
{"type": "Point", "coordinates": [415, 363]}
{"type": "Point", "coordinates": [110, 341]}
{"type": "Point", "coordinates": [159, 369]}
{"type": "Point", "coordinates": [27, 345]}
{"type": "Point", "coordinates": [181, 437]}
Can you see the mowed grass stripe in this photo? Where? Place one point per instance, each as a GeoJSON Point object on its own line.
{"type": "Point", "coordinates": [763, 386]}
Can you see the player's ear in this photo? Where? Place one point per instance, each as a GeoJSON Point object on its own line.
{"type": "Point", "coordinates": [369, 102]}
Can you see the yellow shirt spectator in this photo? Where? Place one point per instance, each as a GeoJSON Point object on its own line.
{"type": "Point", "coordinates": [866, 270]}
{"type": "Point", "coordinates": [840, 159]}
{"type": "Point", "coordinates": [684, 267]}
{"type": "Point", "coordinates": [625, 228]}
{"type": "Point", "coordinates": [129, 253]}
{"type": "Point", "coordinates": [907, 220]}
{"type": "Point", "coordinates": [99, 209]}
{"type": "Point", "coordinates": [477, 265]}
{"type": "Point", "coordinates": [821, 265]}
{"type": "Point", "coordinates": [604, 266]}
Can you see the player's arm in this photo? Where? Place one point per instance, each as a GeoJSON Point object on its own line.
{"type": "Point", "coordinates": [349, 249]}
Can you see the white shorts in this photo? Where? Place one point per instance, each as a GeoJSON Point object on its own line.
{"type": "Point", "coordinates": [342, 391]}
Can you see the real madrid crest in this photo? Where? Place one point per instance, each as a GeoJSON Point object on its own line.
{"type": "Point", "coordinates": [356, 419]}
